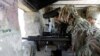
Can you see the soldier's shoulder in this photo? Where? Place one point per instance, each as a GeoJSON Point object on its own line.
{"type": "Point", "coordinates": [82, 25]}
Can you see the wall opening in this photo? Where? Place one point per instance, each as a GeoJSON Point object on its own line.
{"type": "Point", "coordinates": [21, 22]}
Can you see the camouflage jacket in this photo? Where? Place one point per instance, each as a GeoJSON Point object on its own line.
{"type": "Point", "coordinates": [92, 46]}
{"type": "Point", "coordinates": [85, 39]}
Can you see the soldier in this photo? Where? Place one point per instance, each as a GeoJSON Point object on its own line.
{"type": "Point", "coordinates": [77, 26]}
{"type": "Point", "coordinates": [92, 39]}
{"type": "Point", "coordinates": [84, 32]}
{"type": "Point", "coordinates": [85, 35]}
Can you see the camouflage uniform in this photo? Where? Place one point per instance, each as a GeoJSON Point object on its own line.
{"type": "Point", "coordinates": [78, 34]}
{"type": "Point", "coordinates": [92, 43]}
{"type": "Point", "coordinates": [85, 37]}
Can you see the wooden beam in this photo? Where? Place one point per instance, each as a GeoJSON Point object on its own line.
{"type": "Point", "coordinates": [79, 2]}
{"type": "Point", "coordinates": [23, 6]}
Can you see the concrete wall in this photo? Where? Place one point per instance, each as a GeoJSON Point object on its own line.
{"type": "Point", "coordinates": [10, 39]}
{"type": "Point", "coordinates": [33, 25]}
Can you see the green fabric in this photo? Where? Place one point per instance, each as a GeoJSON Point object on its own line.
{"type": "Point", "coordinates": [83, 34]}
{"type": "Point", "coordinates": [87, 49]}
{"type": "Point", "coordinates": [79, 34]}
